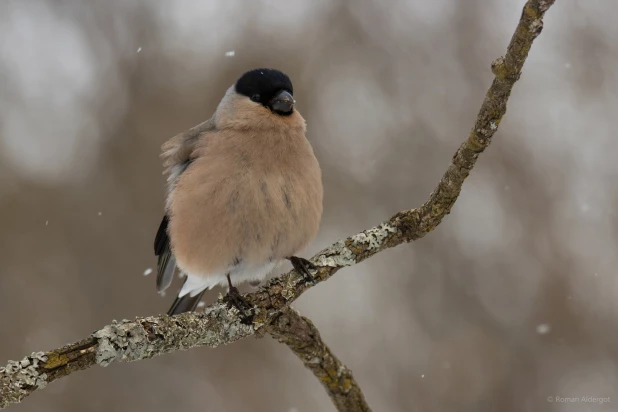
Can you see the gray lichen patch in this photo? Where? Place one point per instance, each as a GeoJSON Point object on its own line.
{"type": "Point", "coordinates": [121, 341]}
{"type": "Point", "coordinates": [128, 341]}
{"type": "Point", "coordinates": [288, 290]}
{"type": "Point", "coordinates": [24, 373]}
{"type": "Point", "coordinates": [225, 326]}
{"type": "Point", "coordinates": [374, 238]}
{"type": "Point", "coordinates": [337, 255]}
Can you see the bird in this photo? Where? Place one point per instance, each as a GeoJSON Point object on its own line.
{"type": "Point", "coordinates": [244, 192]}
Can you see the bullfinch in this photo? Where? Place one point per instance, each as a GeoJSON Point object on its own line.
{"type": "Point", "coordinates": [244, 192]}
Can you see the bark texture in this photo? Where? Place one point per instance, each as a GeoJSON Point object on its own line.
{"type": "Point", "coordinates": [303, 338]}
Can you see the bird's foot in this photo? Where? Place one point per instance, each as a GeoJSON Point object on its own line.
{"type": "Point", "coordinates": [303, 267]}
{"type": "Point", "coordinates": [235, 299]}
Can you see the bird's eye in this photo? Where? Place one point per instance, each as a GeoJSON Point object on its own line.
{"type": "Point", "coordinates": [255, 97]}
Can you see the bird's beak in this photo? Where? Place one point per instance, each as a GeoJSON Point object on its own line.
{"type": "Point", "coordinates": [283, 102]}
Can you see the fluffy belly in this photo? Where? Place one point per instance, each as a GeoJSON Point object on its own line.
{"type": "Point", "coordinates": [218, 226]}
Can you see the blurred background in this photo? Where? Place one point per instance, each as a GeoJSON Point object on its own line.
{"type": "Point", "coordinates": [510, 302]}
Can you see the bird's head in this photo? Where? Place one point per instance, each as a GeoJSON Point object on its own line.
{"type": "Point", "coordinates": [267, 87]}
{"type": "Point", "coordinates": [260, 99]}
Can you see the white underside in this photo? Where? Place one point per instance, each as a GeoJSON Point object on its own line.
{"type": "Point", "coordinates": [196, 283]}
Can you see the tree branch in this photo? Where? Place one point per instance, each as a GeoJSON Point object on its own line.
{"type": "Point", "coordinates": [303, 338]}
{"type": "Point", "coordinates": [218, 324]}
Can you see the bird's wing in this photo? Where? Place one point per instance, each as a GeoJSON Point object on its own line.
{"type": "Point", "coordinates": [177, 150]}
{"type": "Point", "coordinates": [176, 155]}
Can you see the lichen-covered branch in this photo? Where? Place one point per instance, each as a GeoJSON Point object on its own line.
{"type": "Point", "coordinates": [303, 338]}
{"type": "Point", "coordinates": [125, 341]}
{"type": "Point", "coordinates": [219, 324]}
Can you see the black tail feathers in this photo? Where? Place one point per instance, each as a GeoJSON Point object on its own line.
{"type": "Point", "coordinates": [187, 303]}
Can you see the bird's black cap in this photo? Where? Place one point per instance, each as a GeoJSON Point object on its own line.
{"type": "Point", "coordinates": [264, 85]}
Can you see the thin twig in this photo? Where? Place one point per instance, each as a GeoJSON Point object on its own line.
{"type": "Point", "coordinates": [303, 338]}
